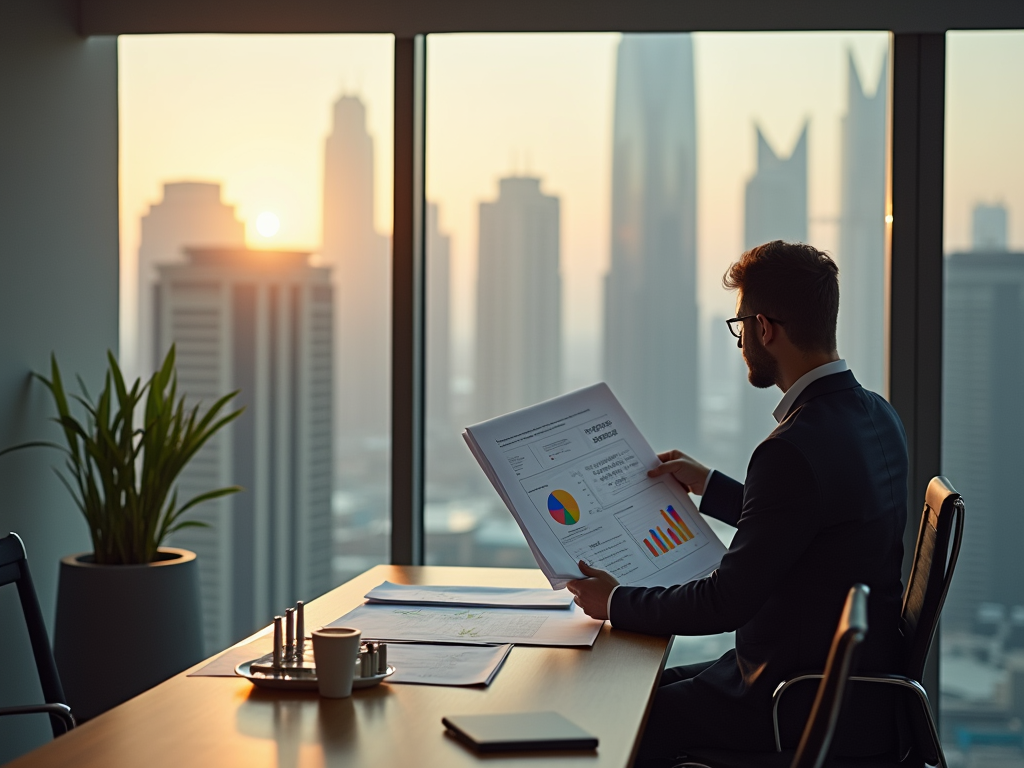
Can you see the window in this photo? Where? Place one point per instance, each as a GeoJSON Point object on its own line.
{"type": "Point", "coordinates": [587, 192]}
{"type": "Point", "coordinates": [982, 648]}
{"type": "Point", "coordinates": [256, 211]}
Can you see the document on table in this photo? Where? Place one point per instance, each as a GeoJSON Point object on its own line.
{"type": "Point", "coordinates": [472, 626]}
{"type": "Point", "coordinates": [430, 664]}
{"type": "Point", "coordinates": [495, 597]}
{"type": "Point", "coordinates": [573, 472]}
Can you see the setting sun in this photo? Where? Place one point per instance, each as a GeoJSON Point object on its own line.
{"type": "Point", "coordinates": [267, 224]}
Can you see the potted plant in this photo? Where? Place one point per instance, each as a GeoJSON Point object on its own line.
{"type": "Point", "coordinates": [128, 613]}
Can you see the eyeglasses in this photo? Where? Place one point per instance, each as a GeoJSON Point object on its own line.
{"type": "Point", "coordinates": [736, 324]}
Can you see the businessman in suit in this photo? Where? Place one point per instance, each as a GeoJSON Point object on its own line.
{"type": "Point", "coordinates": [823, 507]}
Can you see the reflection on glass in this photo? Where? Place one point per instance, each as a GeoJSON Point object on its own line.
{"type": "Point", "coordinates": [257, 200]}
{"type": "Point", "coordinates": [590, 191]}
{"type": "Point", "coordinates": [981, 669]}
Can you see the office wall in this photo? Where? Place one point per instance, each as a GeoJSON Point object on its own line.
{"type": "Point", "coordinates": [58, 290]}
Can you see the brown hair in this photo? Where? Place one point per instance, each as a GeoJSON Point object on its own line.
{"type": "Point", "coordinates": [795, 284]}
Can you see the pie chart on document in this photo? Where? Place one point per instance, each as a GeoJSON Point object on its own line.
{"type": "Point", "coordinates": [563, 508]}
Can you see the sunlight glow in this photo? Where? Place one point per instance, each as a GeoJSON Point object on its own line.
{"type": "Point", "coordinates": [267, 224]}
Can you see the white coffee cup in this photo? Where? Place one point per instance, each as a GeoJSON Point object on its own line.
{"type": "Point", "coordinates": [335, 650]}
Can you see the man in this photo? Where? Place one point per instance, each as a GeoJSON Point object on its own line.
{"type": "Point", "coordinates": [823, 507]}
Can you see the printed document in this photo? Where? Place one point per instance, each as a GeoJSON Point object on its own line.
{"type": "Point", "coordinates": [573, 472]}
{"type": "Point", "coordinates": [446, 664]}
{"type": "Point", "coordinates": [472, 626]}
{"type": "Point", "coordinates": [495, 597]}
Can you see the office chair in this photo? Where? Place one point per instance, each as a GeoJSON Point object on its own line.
{"type": "Point", "coordinates": [821, 725]}
{"type": "Point", "coordinates": [14, 570]}
{"type": "Point", "coordinates": [941, 531]}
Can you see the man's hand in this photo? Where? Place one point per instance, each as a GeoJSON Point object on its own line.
{"type": "Point", "coordinates": [592, 592]}
{"type": "Point", "coordinates": [692, 474]}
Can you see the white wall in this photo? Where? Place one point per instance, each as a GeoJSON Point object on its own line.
{"type": "Point", "coordinates": [58, 291]}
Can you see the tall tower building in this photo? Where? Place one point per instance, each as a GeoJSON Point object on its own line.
{"type": "Point", "coordinates": [650, 301]}
{"type": "Point", "coordinates": [519, 299]}
{"type": "Point", "coordinates": [775, 209]}
{"type": "Point", "coordinates": [983, 419]}
{"type": "Point", "coordinates": [190, 214]}
{"type": "Point", "coordinates": [861, 254]}
{"type": "Point", "coordinates": [259, 322]}
{"type": "Point", "coordinates": [361, 270]}
{"type": "Point", "coordinates": [989, 227]}
{"type": "Point", "coordinates": [438, 324]}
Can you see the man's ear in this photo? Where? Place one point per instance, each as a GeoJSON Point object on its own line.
{"type": "Point", "coordinates": [767, 329]}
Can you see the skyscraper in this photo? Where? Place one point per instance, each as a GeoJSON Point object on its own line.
{"type": "Point", "coordinates": [989, 227]}
{"type": "Point", "coordinates": [259, 322]}
{"type": "Point", "coordinates": [861, 254]}
{"type": "Point", "coordinates": [438, 324]}
{"type": "Point", "coordinates": [775, 209]}
{"type": "Point", "coordinates": [190, 214]}
{"type": "Point", "coordinates": [650, 301]}
{"type": "Point", "coordinates": [519, 299]}
{"type": "Point", "coordinates": [361, 271]}
{"type": "Point", "coordinates": [983, 420]}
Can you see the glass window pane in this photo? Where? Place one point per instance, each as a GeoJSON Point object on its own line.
{"type": "Point", "coordinates": [256, 209]}
{"type": "Point", "coordinates": [588, 193]}
{"type": "Point", "coordinates": [982, 649]}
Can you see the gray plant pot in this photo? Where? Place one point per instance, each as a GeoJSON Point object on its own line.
{"type": "Point", "coordinates": [121, 629]}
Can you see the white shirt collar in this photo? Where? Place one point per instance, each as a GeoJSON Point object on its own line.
{"type": "Point", "coordinates": [782, 409]}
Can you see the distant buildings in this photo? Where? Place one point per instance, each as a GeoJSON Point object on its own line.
{"type": "Point", "coordinates": [989, 228]}
{"type": "Point", "coordinates": [259, 322]}
{"type": "Point", "coordinates": [438, 379]}
{"type": "Point", "coordinates": [775, 209]}
{"type": "Point", "coordinates": [519, 299]}
{"type": "Point", "coordinates": [191, 213]}
{"type": "Point", "coordinates": [861, 254]}
{"type": "Point", "coordinates": [361, 271]}
{"type": "Point", "coordinates": [983, 417]}
{"type": "Point", "coordinates": [650, 301]}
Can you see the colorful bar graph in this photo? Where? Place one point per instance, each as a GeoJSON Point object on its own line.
{"type": "Point", "coordinates": [653, 550]}
{"type": "Point", "coordinates": [666, 538]}
{"type": "Point", "coordinates": [658, 541]}
{"type": "Point", "coordinates": [678, 523]}
{"type": "Point", "coordinates": [672, 533]}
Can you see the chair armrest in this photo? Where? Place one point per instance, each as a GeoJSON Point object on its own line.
{"type": "Point", "coordinates": [780, 689]}
{"type": "Point", "coordinates": [60, 711]}
{"type": "Point", "coordinates": [901, 681]}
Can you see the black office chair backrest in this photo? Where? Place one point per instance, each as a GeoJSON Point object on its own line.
{"type": "Point", "coordinates": [821, 725]}
{"type": "Point", "coordinates": [935, 556]}
{"type": "Point", "coordinates": [14, 570]}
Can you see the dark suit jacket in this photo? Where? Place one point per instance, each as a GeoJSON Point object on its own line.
{"type": "Point", "coordinates": [823, 508]}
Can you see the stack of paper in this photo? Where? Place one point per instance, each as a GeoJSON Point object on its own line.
{"type": "Point", "coordinates": [453, 635]}
{"type": "Point", "coordinates": [573, 473]}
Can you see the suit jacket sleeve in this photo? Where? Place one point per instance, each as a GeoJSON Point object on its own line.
{"type": "Point", "coordinates": [778, 521]}
{"type": "Point", "coordinates": [722, 499]}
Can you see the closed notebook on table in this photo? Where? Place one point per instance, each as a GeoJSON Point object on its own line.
{"type": "Point", "coordinates": [518, 730]}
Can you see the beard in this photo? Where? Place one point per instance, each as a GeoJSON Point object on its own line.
{"type": "Point", "coordinates": [762, 368]}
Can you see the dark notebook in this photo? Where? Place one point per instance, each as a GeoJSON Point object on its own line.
{"type": "Point", "coordinates": [518, 730]}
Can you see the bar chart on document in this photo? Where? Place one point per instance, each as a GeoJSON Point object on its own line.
{"type": "Point", "coordinates": [604, 509]}
{"type": "Point", "coordinates": [573, 472]}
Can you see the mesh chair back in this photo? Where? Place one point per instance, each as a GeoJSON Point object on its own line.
{"type": "Point", "coordinates": [14, 570]}
{"type": "Point", "coordinates": [821, 725]}
{"type": "Point", "coordinates": [935, 556]}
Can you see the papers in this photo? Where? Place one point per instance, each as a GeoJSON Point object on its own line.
{"type": "Point", "coordinates": [450, 624]}
{"type": "Point", "coordinates": [495, 597]}
{"type": "Point", "coordinates": [446, 664]}
{"type": "Point", "coordinates": [573, 472]}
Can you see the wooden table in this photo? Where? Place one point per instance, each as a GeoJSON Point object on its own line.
{"type": "Point", "coordinates": [195, 722]}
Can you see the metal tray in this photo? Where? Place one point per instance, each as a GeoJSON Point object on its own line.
{"type": "Point", "coordinates": [305, 683]}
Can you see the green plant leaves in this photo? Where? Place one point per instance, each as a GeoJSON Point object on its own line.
{"type": "Point", "coordinates": [122, 476]}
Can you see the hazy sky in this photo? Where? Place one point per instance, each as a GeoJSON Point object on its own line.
{"type": "Point", "coordinates": [253, 111]}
